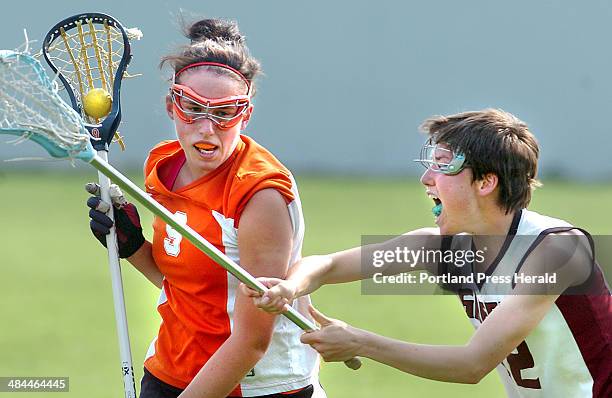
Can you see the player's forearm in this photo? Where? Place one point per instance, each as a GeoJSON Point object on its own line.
{"type": "Point", "coordinates": [312, 272]}
{"type": "Point", "coordinates": [452, 364]}
{"type": "Point", "coordinates": [225, 369]}
{"type": "Point", "coordinates": [308, 272]}
{"type": "Point", "coordinates": [143, 261]}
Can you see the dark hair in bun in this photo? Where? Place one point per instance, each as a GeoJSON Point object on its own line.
{"type": "Point", "coordinates": [215, 40]}
{"type": "Point", "coordinates": [214, 29]}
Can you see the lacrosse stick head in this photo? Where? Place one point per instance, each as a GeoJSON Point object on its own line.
{"type": "Point", "coordinates": [90, 54]}
{"type": "Point", "coordinates": [31, 108]}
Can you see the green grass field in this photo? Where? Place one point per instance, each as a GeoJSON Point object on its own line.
{"type": "Point", "coordinates": [56, 307]}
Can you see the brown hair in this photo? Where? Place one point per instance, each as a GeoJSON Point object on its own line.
{"type": "Point", "coordinates": [215, 40]}
{"type": "Point", "coordinates": [493, 141]}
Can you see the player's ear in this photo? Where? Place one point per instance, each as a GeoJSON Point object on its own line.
{"type": "Point", "coordinates": [169, 107]}
{"type": "Point", "coordinates": [487, 184]}
{"type": "Point", "coordinates": [246, 117]}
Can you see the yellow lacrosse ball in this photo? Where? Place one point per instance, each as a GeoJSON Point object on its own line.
{"type": "Point", "coordinates": [97, 103]}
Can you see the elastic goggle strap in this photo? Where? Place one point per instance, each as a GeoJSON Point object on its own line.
{"type": "Point", "coordinates": [216, 64]}
{"type": "Point", "coordinates": [441, 160]}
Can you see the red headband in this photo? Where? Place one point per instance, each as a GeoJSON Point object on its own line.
{"type": "Point", "coordinates": [217, 64]}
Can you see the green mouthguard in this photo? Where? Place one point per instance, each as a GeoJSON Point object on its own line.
{"type": "Point", "coordinates": [437, 209]}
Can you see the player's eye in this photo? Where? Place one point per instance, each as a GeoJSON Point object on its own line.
{"type": "Point", "coordinates": [225, 112]}
{"type": "Point", "coordinates": [441, 159]}
{"type": "Point", "coordinates": [441, 156]}
{"type": "Point", "coordinates": [191, 106]}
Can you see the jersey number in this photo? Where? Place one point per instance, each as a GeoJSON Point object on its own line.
{"type": "Point", "coordinates": [520, 360]}
{"type": "Point", "coordinates": [172, 242]}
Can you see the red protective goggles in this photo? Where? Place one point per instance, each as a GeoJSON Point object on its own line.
{"type": "Point", "coordinates": [223, 112]}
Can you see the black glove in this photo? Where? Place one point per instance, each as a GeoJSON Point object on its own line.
{"type": "Point", "coordinates": [129, 230]}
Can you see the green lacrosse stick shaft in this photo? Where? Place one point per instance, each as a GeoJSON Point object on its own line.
{"type": "Point", "coordinates": [198, 241]}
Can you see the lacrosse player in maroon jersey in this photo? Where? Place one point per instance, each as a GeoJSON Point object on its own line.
{"type": "Point", "coordinates": [551, 340]}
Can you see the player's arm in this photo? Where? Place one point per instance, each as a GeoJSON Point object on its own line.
{"type": "Point", "coordinates": [265, 243]}
{"type": "Point", "coordinates": [502, 331]}
{"type": "Point", "coordinates": [143, 261]}
{"type": "Point", "coordinates": [310, 273]}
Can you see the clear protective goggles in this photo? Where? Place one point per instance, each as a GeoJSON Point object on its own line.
{"type": "Point", "coordinates": [225, 112]}
{"type": "Point", "coordinates": [440, 159]}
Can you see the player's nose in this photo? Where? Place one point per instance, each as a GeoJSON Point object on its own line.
{"type": "Point", "coordinates": [205, 126]}
{"type": "Point", "coordinates": [427, 178]}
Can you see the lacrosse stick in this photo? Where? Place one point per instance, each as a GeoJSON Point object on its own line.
{"type": "Point", "coordinates": [90, 54]}
{"type": "Point", "coordinates": [32, 109]}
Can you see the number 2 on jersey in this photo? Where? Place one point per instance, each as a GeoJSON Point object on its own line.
{"type": "Point", "coordinates": [520, 358]}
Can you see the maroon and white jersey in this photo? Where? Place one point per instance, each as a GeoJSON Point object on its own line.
{"type": "Point", "coordinates": [569, 354]}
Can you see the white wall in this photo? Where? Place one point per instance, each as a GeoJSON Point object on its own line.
{"type": "Point", "coordinates": [348, 82]}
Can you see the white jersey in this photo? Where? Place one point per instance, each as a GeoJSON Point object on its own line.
{"type": "Point", "coordinates": [569, 354]}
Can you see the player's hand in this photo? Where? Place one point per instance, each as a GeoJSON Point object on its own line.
{"type": "Point", "coordinates": [129, 230]}
{"type": "Point", "coordinates": [336, 341]}
{"type": "Point", "coordinates": [277, 299]}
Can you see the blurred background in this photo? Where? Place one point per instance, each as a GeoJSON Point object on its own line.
{"type": "Point", "coordinates": [346, 85]}
{"type": "Point", "coordinates": [348, 82]}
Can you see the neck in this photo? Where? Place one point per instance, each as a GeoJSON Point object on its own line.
{"type": "Point", "coordinates": [493, 223]}
{"type": "Point", "coordinates": [183, 178]}
{"type": "Point", "coordinates": [492, 235]}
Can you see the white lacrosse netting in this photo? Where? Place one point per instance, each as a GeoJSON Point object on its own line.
{"type": "Point", "coordinates": [31, 107]}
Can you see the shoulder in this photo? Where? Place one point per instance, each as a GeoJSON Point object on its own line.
{"type": "Point", "coordinates": [267, 204]}
{"type": "Point", "coordinates": [256, 170]}
{"type": "Point", "coordinates": [561, 246]}
{"type": "Point", "coordinates": [566, 256]}
{"type": "Point", "coordinates": [255, 160]}
{"type": "Point", "coordinates": [532, 223]}
{"type": "Point", "coordinates": [165, 147]}
{"type": "Point", "coordinates": [160, 151]}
